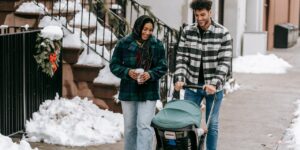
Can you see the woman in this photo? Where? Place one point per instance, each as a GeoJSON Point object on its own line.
{"type": "Point", "coordinates": [139, 51]}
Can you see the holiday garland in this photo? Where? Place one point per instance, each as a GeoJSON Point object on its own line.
{"type": "Point", "coordinates": [47, 56]}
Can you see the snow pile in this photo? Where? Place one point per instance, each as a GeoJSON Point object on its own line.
{"type": "Point", "coordinates": [295, 129]}
{"type": "Point", "coordinates": [6, 143]}
{"type": "Point", "coordinates": [103, 34]}
{"type": "Point", "coordinates": [106, 77]}
{"type": "Point", "coordinates": [260, 64]}
{"type": "Point", "coordinates": [91, 58]}
{"type": "Point", "coordinates": [55, 21]}
{"type": "Point", "coordinates": [85, 19]}
{"type": "Point", "coordinates": [32, 7]}
{"type": "Point", "coordinates": [116, 6]}
{"type": "Point", "coordinates": [230, 87]}
{"type": "Point", "coordinates": [26, 26]}
{"type": "Point", "coordinates": [64, 5]}
{"type": "Point", "coordinates": [52, 33]}
{"type": "Point", "coordinates": [76, 31]}
{"type": "Point", "coordinates": [102, 51]}
{"type": "Point", "coordinates": [116, 98]}
{"type": "Point", "coordinates": [72, 41]}
{"type": "Point", "coordinates": [76, 122]}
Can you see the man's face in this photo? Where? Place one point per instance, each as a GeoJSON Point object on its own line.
{"type": "Point", "coordinates": [202, 17]}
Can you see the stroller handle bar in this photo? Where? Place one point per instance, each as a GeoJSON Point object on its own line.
{"type": "Point", "coordinates": [192, 86]}
{"type": "Point", "coordinates": [176, 94]}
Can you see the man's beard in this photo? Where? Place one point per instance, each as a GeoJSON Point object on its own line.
{"type": "Point", "coordinates": [203, 24]}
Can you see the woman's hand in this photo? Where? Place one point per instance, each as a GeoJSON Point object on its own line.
{"type": "Point", "coordinates": [145, 77]}
{"type": "Point", "coordinates": [133, 74]}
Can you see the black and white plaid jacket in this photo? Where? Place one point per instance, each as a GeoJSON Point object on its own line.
{"type": "Point", "coordinates": [216, 50]}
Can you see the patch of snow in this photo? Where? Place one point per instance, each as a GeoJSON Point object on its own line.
{"type": "Point", "coordinates": [90, 59]}
{"type": "Point", "coordinates": [75, 122]}
{"type": "Point", "coordinates": [52, 33]}
{"type": "Point", "coordinates": [260, 64]}
{"type": "Point", "coordinates": [116, 6]}
{"type": "Point", "coordinates": [6, 143]}
{"type": "Point", "coordinates": [65, 5]}
{"type": "Point", "coordinates": [106, 77]}
{"type": "Point", "coordinates": [85, 19]}
{"type": "Point", "coordinates": [231, 88]}
{"type": "Point", "coordinates": [294, 130]}
{"type": "Point", "coordinates": [49, 21]}
{"type": "Point", "coordinates": [116, 98]}
{"type": "Point", "coordinates": [26, 26]}
{"type": "Point", "coordinates": [107, 37]}
{"type": "Point", "coordinates": [32, 7]}
{"type": "Point", "coordinates": [102, 51]}
{"type": "Point", "coordinates": [73, 40]}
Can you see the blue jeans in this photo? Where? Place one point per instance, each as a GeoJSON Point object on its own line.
{"type": "Point", "coordinates": [138, 134]}
{"type": "Point", "coordinates": [212, 135]}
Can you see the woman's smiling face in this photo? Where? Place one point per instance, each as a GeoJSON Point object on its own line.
{"type": "Point", "coordinates": [147, 31]}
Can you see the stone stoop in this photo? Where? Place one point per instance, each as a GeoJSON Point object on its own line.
{"type": "Point", "coordinates": [71, 55]}
{"type": "Point", "coordinates": [106, 93]}
{"type": "Point", "coordinates": [85, 73]}
{"type": "Point", "coordinates": [85, 89]}
{"type": "Point", "coordinates": [69, 87]}
{"type": "Point", "coordinates": [113, 106]}
{"type": "Point", "coordinates": [100, 103]}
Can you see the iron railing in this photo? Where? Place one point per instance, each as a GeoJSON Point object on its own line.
{"type": "Point", "coordinates": [23, 86]}
{"type": "Point", "coordinates": [93, 21]}
{"type": "Point", "coordinates": [118, 17]}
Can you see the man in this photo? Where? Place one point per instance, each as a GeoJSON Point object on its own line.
{"type": "Point", "coordinates": [204, 58]}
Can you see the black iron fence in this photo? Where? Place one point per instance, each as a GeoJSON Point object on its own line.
{"type": "Point", "coordinates": [99, 24]}
{"type": "Point", "coordinates": [23, 87]}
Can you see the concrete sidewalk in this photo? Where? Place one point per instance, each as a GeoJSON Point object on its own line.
{"type": "Point", "coordinates": [253, 118]}
{"type": "Point", "coordinates": [256, 116]}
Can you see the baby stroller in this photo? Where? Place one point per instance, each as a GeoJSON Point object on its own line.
{"type": "Point", "coordinates": [178, 125]}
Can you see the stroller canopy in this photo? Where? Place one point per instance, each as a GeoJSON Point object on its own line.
{"type": "Point", "coordinates": [178, 114]}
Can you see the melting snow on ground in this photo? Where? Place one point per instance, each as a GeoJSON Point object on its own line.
{"type": "Point", "coordinates": [75, 122]}
{"type": "Point", "coordinates": [260, 64]}
{"type": "Point", "coordinates": [292, 137]}
{"type": "Point", "coordinates": [6, 143]}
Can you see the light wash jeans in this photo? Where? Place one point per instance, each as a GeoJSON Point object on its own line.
{"type": "Point", "coordinates": [212, 135]}
{"type": "Point", "coordinates": [138, 134]}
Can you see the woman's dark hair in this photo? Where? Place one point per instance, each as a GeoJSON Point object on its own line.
{"type": "Point", "coordinates": [201, 4]}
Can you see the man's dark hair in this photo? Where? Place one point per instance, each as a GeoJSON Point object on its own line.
{"type": "Point", "coordinates": [201, 4]}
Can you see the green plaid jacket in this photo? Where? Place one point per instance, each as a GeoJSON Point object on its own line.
{"type": "Point", "coordinates": [124, 58]}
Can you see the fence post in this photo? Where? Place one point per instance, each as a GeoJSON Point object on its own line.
{"type": "Point", "coordinates": [24, 80]}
